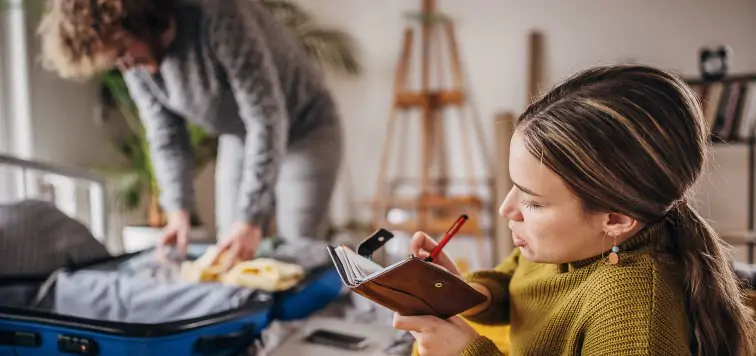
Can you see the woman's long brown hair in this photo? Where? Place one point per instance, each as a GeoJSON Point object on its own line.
{"type": "Point", "coordinates": [632, 139]}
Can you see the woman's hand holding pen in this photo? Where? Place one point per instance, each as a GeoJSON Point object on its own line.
{"type": "Point", "coordinates": [436, 336]}
{"type": "Point", "coordinates": [421, 246]}
{"type": "Point", "coordinates": [422, 243]}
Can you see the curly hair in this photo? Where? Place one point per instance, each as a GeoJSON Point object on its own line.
{"type": "Point", "coordinates": [75, 35]}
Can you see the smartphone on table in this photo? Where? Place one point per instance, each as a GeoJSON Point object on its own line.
{"type": "Point", "coordinates": [337, 339]}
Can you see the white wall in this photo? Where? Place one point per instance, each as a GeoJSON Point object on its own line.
{"type": "Point", "coordinates": [578, 34]}
{"type": "Point", "coordinates": [492, 35]}
{"type": "Point", "coordinates": [64, 114]}
{"type": "Point", "coordinates": [3, 89]}
{"type": "Point", "coordinates": [6, 187]}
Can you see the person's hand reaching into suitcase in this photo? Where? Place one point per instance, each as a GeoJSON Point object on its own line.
{"type": "Point", "coordinates": [240, 243]}
{"type": "Point", "coordinates": [176, 232]}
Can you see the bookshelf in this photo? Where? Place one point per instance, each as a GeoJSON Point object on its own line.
{"type": "Point", "coordinates": [729, 107]}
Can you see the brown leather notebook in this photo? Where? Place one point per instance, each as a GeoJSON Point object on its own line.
{"type": "Point", "coordinates": [408, 287]}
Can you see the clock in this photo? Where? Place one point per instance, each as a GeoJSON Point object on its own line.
{"type": "Point", "coordinates": [714, 63]}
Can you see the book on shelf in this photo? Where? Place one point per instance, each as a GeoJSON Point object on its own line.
{"type": "Point", "coordinates": [729, 108]}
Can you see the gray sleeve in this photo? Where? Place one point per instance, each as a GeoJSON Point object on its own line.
{"type": "Point", "coordinates": [240, 48]}
{"type": "Point", "coordinates": [169, 147]}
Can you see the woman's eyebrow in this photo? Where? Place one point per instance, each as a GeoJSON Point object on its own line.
{"type": "Point", "coordinates": [526, 190]}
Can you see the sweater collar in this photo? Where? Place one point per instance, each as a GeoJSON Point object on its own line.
{"type": "Point", "coordinates": [641, 240]}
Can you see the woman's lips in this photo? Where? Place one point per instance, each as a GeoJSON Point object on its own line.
{"type": "Point", "coordinates": [518, 242]}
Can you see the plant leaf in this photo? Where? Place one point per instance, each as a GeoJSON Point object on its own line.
{"type": "Point", "coordinates": [333, 49]}
{"type": "Point", "coordinates": [124, 186]}
{"type": "Point", "coordinates": [288, 13]}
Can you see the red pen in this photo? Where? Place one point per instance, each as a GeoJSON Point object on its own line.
{"type": "Point", "coordinates": [449, 234]}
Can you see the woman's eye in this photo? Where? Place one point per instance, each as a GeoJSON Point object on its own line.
{"type": "Point", "coordinates": [530, 205]}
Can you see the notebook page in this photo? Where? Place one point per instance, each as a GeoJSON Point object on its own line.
{"type": "Point", "coordinates": [348, 270]}
{"type": "Point", "coordinates": [378, 272]}
{"type": "Point", "coordinates": [357, 267]}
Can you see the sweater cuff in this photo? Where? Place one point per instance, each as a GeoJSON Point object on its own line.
{"type": "Point", "coordinates": [499, 296]}
{"type": "Point", "coordinates": [258, 218]}
{"type": "Point", "coordinates": [482, 346]}
{"type": "Point", "coordinates": [497, 289]}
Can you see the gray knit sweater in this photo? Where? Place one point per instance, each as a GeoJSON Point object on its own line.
{"type": "Point", "coordinates": [232, 69]}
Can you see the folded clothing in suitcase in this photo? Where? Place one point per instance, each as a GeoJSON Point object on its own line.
{"type": "Point", "coordinates": [106, 309]}
{"type": "Point", "coordinates": [319, 287]}
{"type": "Point", "coordinates": [134, 305]}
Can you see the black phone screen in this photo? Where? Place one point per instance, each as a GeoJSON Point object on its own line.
{"type": "Point", "coordinates": [333, 338]}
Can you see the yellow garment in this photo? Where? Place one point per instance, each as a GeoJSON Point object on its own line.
{"type": "Point", "coordinates": [204, 269]}
{"type": "Point", "coordinates": [261, 273]}
{"type": "Point", "coordinates": [587, 307]}
{"type": "Point", "coordinates": [499, 334]}
{"type": "Point", "coordinates": [264, 273]}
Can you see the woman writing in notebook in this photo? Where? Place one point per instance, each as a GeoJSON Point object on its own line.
{"type": "Point", "coordinates": [610, 256]}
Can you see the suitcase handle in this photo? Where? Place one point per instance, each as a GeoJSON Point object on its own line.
{"type": "Point", "coordinates": [233, 340]}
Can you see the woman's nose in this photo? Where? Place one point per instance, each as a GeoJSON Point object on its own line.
{"type": "Point", "coordinates": [509, 208]}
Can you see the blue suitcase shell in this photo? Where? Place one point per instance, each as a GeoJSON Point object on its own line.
{"type": "Point", "coordinates": [31, 332]}
{"type": "Point", "coordinates": [34, 332]}
{"type": "Point", "coordinates": [321, 287]}
{"type": "Point", "coordinates": [27, 332]}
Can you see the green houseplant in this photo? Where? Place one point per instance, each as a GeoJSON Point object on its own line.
{"type": "Point", "coordinates": [332, 49]}
{"type": "Point", "coordinates": [135, 181]}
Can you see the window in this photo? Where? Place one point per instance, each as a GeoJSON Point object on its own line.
{"type": "Point", "coordinates": [15, 107]}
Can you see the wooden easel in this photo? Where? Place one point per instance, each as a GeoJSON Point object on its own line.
{"type": "Point", "coordinates": [433, 208]}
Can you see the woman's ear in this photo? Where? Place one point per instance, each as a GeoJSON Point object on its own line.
{"type": "Point", "coordinates": [620, 224]}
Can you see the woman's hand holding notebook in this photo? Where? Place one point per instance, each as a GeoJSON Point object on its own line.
{"type": "Point", "coordinates": [413, 286]}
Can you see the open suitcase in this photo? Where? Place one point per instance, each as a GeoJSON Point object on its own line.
{"type": "Point", "coordinates": [25, 332]}
{"type": "Point", "coordinates": [232, 331]}
{"type": "Point", "coordinates": [321, 287]}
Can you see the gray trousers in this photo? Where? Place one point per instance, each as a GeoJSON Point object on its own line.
{"type": "Point", "coordinates": [306, 182]}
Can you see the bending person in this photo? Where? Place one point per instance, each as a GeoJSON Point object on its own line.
{"type": "Point", "coordinates": [231, 68]}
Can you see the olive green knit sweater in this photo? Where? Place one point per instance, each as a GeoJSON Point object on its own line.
{"type": "Point", "coordinates": [588, 307]}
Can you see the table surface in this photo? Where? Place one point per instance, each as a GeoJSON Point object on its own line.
{"type": "Point", "coordinates": [379, 336]}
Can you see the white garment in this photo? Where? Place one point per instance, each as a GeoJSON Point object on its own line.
{"type": "Point", "coordinates": [111, 296]}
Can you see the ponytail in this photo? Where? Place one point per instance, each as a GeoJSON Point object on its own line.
{"type": "Point", "coordinates": [721, 322]}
